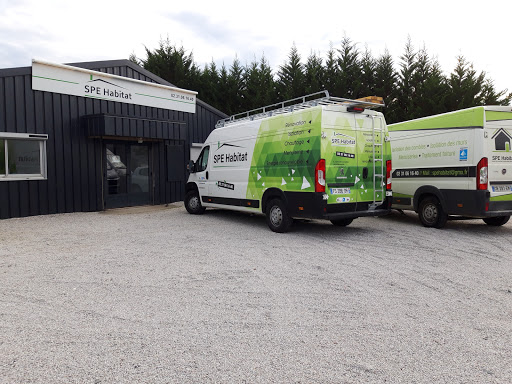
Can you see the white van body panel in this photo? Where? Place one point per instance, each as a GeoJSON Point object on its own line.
{"type": "Point", "coordinates": [247, 158]}
{"type": "Point", "coordinates": [441, 153]}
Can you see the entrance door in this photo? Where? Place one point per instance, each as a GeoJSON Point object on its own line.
{"type": "Point", "coordinates": [128, 181]}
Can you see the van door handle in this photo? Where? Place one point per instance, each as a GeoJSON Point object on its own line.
{"type": "Point", "coordinates": [365, 173]}
{"type": "Point", "coordinates": [206, 175]}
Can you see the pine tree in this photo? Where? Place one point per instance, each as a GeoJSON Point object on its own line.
{"type": "Point", "coordinates": [259, 85]}
{"type": "Point", "coordinates": [290, 77]}
{"type": "Point", "coordinates": [465, 86]}
{"type": "Point", "coordinates": [252, 84]}
{"type": "Point", "coordinates": [492, 97]}
{"type": "Point", "coordinates": [349, 84]}
{"type": "Point", "coordinates": [209, 89]}
{"type": "Point", "coordinates": [223, 97]}
{"type": "Point", "coordinates": [417, 83]}
{"type": "Point", "coordinates": [314, 74]}
{"type": "Point", "coordinates": [267, 84]}
{"type": "Point", "coordinates": [331, 72]}
{"type": "Point", "coordinates": [368, 74]}
{"type": "Point", "coordinates": [405, 83]}
{"type": "Point", "coordinates": [385, 85]}
{"type": "Point", "coordinates": [133, 58]}
{"type": "Point", "coordinates": [435, 91]}
{"type": "Point", "coordinates": [235, 88]}
{"type": "Point", "coordinates": [172, 64]}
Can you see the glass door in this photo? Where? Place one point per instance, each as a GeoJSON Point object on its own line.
{"type": "Point", "coordinates": [128, 180]}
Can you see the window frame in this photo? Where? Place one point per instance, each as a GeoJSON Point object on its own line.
{"type": "Point", "coordinates": [42, 139]}
{"type": "Point", "coordinates": [200, 159]}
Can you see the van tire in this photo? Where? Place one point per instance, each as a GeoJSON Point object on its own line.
{"type": "Point", "coordinates": [278, 219]}
{"type": "Point", "coordinates": [342, 222]}
{"type": "Point", "coordinates": [496, 221]}
{"type": "Point", "coordinates": [193, 203]}
{"type": "Point", "coordinates": [431, 213]}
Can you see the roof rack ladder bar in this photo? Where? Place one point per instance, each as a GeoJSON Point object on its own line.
{"type": "Point", "coordinates": [300, 103]}
{"type": "Point", "coordinates": [377, 143]}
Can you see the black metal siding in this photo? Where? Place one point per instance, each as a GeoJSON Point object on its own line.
{"type": "Point", "coordinates": [74, 181]}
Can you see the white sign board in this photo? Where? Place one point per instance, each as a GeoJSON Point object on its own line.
{"type": "Point", "coordinates": [75, 81]}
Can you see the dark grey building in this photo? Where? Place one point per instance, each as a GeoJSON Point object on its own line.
{"type": "Point", "coordinates": [64, 152]}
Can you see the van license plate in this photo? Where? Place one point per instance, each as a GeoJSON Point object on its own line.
{"type": "Point", "coordinates": [340, 191]}
{"type": "Point", "coordinates": [501, 188]}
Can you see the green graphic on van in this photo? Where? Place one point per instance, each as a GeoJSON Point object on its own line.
{"type": "Point", "coordinates": [286, 151]}
{"type": "Point", "coordinates": [343, 141]}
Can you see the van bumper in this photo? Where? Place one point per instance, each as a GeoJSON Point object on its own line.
{"type": "Point", "coordinates": [474, 204]}
{"type": "Point", "coordinates": [499, 208]}
{"type": "Point", "coordinates": [311, 205]}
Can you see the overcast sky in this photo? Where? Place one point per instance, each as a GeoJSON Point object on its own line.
{"type": "Point", "coordinates": [73, 31]}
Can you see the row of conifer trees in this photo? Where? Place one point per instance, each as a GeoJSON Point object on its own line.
{"type": "Point", "coordinates": [412, 87]}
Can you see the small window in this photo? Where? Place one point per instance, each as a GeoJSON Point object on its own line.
{"type": "Point", "coordinates": [22, 156]}
{"type": "Point", "coordinates": [2, 157]}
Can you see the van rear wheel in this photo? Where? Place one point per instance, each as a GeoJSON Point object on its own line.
{"type": "Point", "coordinates": [431, 213]}
{"type": "Point", "coordinates": [193, 203]}
{"type": "Point", "coordinates": [496, 221]}
{"type": "Point", "coordinates": [342, 222]}
{"type": "Point", "coordinates": [278, 219]}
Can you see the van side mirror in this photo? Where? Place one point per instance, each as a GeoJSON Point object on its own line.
{"type": "Point", "coordinates": [191, 166]}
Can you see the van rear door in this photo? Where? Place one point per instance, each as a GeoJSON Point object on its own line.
{"type": "Point", "coordinates": [370, 158]}
{"type": "Point", "coordinates": [339, 149]}
{"type": "Point", "coordinates": [498, 147]}
{"type": "Point", "coordinates": [353, 148]}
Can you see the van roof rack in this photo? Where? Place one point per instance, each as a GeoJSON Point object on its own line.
{"type": "Point", "coordinates": [303, 102]}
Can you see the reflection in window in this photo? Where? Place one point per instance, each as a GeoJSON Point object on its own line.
{"type": "Point", "coordinates": [2, 157]}
{"type": "Point", "coordinates": [205, 158]}
{"type": "Point", "coordinates": [115, 161]}
{"type": "Point", "coordinates": [202, 161]}
{"type": "Point", "coordinates": [22, 156]}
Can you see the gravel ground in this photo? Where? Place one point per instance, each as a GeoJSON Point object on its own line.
{"type": "Point", "coordinates": [155, 295]}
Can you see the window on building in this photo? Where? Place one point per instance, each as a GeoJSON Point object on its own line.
{"type": "Point", "coordinates": [2, 157]}
{"type": "Point", "coordinates": [22, 156]}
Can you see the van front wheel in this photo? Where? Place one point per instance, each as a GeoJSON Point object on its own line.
{"type": "Point", "coordinates": [431, 213]}
{"type": "Point", "coordinates": [193, 203]}
{"type": "Point", "coordinates": [278, 219]}
{"type": "Point", "coordinates": [496, 221]}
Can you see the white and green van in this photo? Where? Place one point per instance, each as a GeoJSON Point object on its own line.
{"type": "Point", "coordinates": [323, 158]}
{"type": "Point", "coordinates": [454, 165]}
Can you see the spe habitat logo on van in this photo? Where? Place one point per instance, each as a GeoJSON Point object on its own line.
{"type": "Point", "coordinates": [228, 154]}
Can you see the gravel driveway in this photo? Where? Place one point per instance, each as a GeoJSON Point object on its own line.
{"type": "Point", "coordinates": [155, 295]}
